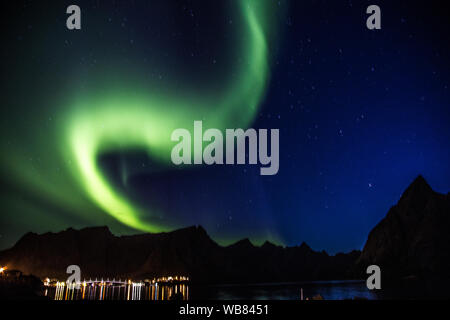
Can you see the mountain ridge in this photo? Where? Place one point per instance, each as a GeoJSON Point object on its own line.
{"type": "Point", "coordinates": [412, 240]}
{"type": "Point", "coordinates": [188, 251]}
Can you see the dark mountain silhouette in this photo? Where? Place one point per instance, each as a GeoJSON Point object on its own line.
{"type": "Point", "coordinates": [188, 251]}
{"type": "Point", "coordinates": [413, 240]}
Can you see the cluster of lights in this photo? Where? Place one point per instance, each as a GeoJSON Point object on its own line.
{"type": "Point", "coordinates": [2, 269]}
{"type": "Point", "coordinates": [133, 290]}
{"type": "Point", "coordinates": [140, 284]}
{"type": "Point", "coordinates": [102, 283]}
{"type": "Point", "coordinates": [170, 279]}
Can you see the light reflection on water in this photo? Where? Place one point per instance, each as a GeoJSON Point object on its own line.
{"type": "Point", "coordinates": [135, 291]}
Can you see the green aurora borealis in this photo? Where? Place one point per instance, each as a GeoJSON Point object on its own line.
{"type": "Point", "coordinates": [57, 164]}
{"type": "Point", "coordinates": [87, 116]}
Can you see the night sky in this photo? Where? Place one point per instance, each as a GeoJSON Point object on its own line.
{"type": "Point", "coordinates": [86, 115]}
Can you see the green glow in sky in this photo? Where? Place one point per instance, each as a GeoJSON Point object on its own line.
{"type": "Point", "coordinates": [125, 118]}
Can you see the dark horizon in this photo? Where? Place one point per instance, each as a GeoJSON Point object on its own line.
{"type": "Point", "coordinates": [418, 180]}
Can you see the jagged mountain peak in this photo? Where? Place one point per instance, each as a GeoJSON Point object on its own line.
{"type": "Point", "coordinates": [243, 243]}
{"type": "Point", "coordinates": [268, 244]}
{"type": "Point", "coordinates": [419, 187]}
{"type": "Point", "coordinates": [304, 245]}
{"type": "Point", "coordinates": [193, 232]}
{"type": "Point", "coordinates": [413, 238]}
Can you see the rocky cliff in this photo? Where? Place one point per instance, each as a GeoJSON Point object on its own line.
{"type": "Point", "coordinates": [413, 240]}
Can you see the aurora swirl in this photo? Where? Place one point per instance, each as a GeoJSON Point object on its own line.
{"type": "Point", "coordinates": [128, 116]}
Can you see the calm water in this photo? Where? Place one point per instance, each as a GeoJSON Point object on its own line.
{"type": "Point", "coordinates": [328, 290]}
{"type": "Point", "coordinates": [332, 290]}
